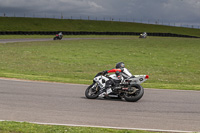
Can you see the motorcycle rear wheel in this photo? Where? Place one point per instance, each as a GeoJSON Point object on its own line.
{"type": "Point", "coordinates": [134, 94]}
{"type": "Point", "coordinates": [92, 92]}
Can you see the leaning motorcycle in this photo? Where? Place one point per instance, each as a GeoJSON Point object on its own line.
{"type": "Point", "coordinates": [57, 37]}
{"type": "Point", "coordinates": [128, 89]}
{"type": "Point", "coordinates": [143, 35]}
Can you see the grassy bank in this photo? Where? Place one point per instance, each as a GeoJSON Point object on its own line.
{"type": "Point", "coordinates": [46, 24]}
{"type": "Point", "coordinates": [172, 63]}
{"type": "Point", "coordinates": [24, 127]}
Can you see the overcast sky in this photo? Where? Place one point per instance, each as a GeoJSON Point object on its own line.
{"type": "Point", "coordinates": [162, 11]}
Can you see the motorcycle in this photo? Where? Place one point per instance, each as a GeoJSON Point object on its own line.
{"type": "Point", "coordinates": [128, 89]}
{"type": "Point", "coordinates": [143, 35]}
{"type": "Point", "coordinates": [58, 37]}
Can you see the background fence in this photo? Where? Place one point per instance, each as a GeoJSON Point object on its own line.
{"type": "Point", "coordinates": [105, 18]}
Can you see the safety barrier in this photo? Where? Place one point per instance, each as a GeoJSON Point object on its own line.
{"type": "Point", "coordinates": [90, 33]}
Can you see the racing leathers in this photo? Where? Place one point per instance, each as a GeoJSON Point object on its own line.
{"type": "Point", "coordinates": [60, 35]}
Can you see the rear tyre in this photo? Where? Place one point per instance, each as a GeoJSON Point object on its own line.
{"type": "Point", "coordinates": [92, 92]}
{"type": "Point", "coordinates": [134, 93]}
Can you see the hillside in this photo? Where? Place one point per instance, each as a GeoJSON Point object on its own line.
{"type": "Point", "coordinates": [46, 24]}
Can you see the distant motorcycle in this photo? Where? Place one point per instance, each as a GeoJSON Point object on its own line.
{"type": "Point", "coordinates": [58, 36]}
{"type": "Point", "coordinates": [129, 89]}
{"type": "Point", "coordinates": [143, 35]}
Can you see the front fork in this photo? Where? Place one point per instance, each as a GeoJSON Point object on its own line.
{"type": "Point", "coordinates": [97, 86]}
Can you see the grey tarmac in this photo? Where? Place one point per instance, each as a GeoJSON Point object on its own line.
{"type": "Point", "coordinates": [51, 39]}
{"type": "Point", "coordinates": [62, 103]}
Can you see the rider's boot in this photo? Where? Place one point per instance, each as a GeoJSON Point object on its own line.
{"type": "Point", "coordinates": [108, 91]}
{"type": "Point", "coordinates": [102, 93]}
{"type": "Point", "coordinates": [105, 92]}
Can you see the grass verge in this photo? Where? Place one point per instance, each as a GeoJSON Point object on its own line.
{"type": "Point", "coordinates": [47, 24]}
{"type": "Point", "coordinates": [172, 63]}
{"type": "Point", "coordinates": [25, 127]}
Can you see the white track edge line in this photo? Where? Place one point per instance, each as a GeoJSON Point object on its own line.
{"type": "Point", "coordinates": [38, 81]}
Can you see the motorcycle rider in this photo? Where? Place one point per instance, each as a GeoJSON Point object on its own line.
{"type": "Point", "coordinates": [60, 35]}
{"type": "Point", "coordinates": [121, 73]}
{"type": "Point", "coordinates": [145, 34]}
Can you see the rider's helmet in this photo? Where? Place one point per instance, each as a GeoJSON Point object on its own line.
{"type": "Point", "coordinates": [120, 65]}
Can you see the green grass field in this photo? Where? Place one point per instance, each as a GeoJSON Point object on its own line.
{"type": "Point", "coordinates": [24, 127]}
{"type": "Point", "coordinates": [171, 63]}
{"type": "Point", "coordinates": [46, 24]}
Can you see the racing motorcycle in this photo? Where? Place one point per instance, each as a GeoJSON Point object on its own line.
{"type": "Point", "coordinates": [143, 35]}
{"type": "Point", "coordinates": [128, 89]}
{"type": "Point", "coordinates": [58, 37]}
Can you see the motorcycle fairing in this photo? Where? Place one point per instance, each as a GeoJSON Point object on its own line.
{"type": "Point", "coordinates": [101, 80]}
{"type": "Point", "coordinates": [138, 79]}
{"type": "Point", "coordinates": [113, 76]}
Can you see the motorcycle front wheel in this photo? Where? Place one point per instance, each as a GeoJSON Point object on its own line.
{"type": "Point", "coordinates": [92, 92]}
{"type": "Point", "coordinates": [134, 93]}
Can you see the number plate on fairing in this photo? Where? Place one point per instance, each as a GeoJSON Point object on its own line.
{"type": "Point", "coordinates": [138, 79]}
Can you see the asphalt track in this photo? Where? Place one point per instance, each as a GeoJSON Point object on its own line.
{"type": "Point", "coordinates": [45, 102]}
{"type": "Point", "coordinates": [51, 39]}
{"type": "Point", "coordinates": [34, 40]}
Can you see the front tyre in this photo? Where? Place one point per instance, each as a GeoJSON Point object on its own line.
{"type": "Point", "coordinates": [134, 93]}
{"type": "Point", "coordinates": [92, 92]}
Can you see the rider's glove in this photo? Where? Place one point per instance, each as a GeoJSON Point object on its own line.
{"type": "Point", "coordinates": [104, 72]}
